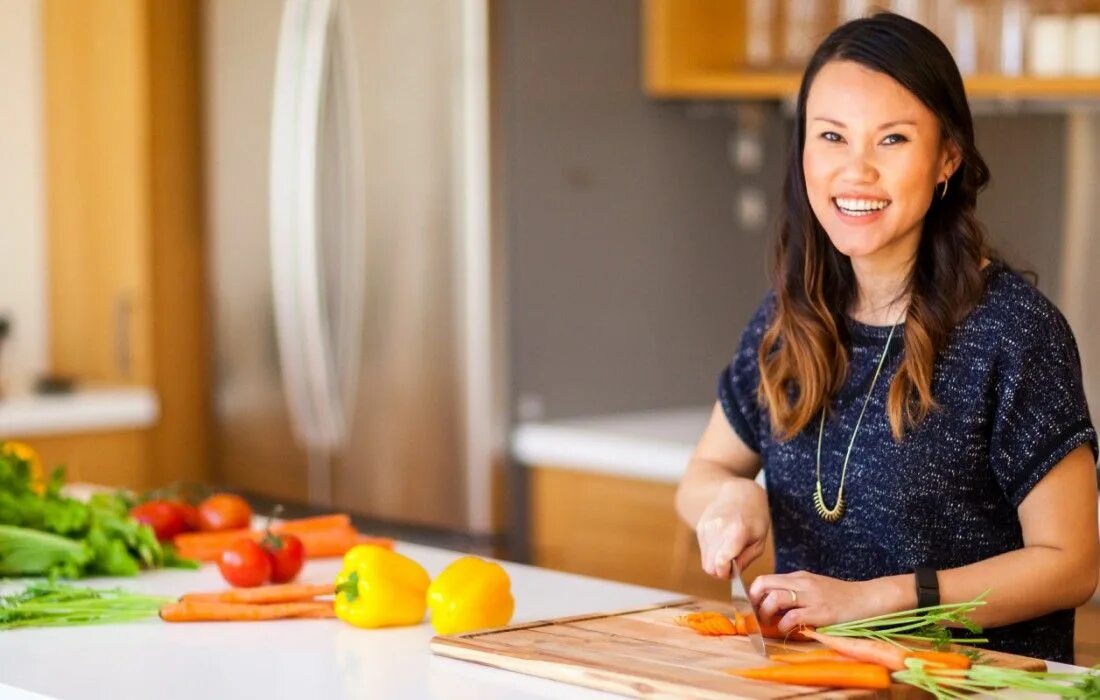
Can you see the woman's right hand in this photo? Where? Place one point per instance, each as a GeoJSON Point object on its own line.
{"type": "Point", "coordinates": [734, 525]}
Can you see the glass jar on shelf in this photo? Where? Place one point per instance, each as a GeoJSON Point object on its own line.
{"type": "Point", "coordinates": [761, 32]}
{"type": "Point", "coordinates": [976, 43]}
{"type": "Point", "coordinates": [805, 24]}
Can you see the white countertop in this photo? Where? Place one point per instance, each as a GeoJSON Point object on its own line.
{"type": "Point", "coordinates": [126, 408]}
{"type": "Point", "coordinates": [291, 659]}
{"type": "Point", "coordinates": [652, 445]}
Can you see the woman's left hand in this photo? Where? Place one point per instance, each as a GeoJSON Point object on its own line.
{"type": "Point", "coordinates": [806, 599]}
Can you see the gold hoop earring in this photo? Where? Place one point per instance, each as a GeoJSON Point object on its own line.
{"type": "Point", "coordinates": [944, 193]}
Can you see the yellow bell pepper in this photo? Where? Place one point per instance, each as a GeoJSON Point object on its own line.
{"type": "Point", "coordinates": [27, 453]}
{"type": "Point", "coordinates": [470, 594]}
{"type": "Point", "coordinates": [380, 588]}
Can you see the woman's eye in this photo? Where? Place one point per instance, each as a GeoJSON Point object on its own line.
{"type": "Point", "coordinates": [894, 139]}
{"type": "Point", "coordinates": [832, 136]}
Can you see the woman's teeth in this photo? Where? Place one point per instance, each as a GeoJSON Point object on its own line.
{"type": "Point", "coordinates": [860, 207]}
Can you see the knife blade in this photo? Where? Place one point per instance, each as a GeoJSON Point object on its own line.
{"type": "Point", "coordinates": [739, 596]}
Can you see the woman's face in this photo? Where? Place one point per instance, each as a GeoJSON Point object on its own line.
{"type": "Point", "coordinates": [872, 158]}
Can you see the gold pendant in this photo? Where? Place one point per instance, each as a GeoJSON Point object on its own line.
{"type": "Point", "coordinates": [829, 515]}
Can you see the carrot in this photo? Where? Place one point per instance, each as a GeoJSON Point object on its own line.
{"type": "Point", "coordinates": [771, 631]}
{"type": "Point", "coordinates": [742, 628]}
{"type": "Point", "coordinates": [241, 612]}
{"type": "Point", "coordinates": [708, 622]}
{"type": "Point", "coordinates": [282, 593]}
{"type": "Point", "coordinates": [943, 659]}
{"type": "Point", "coordinates": [812, 656]}
{"type": "Point", "coordinates": [208, 546]}
{"type": "Point", "coordinates": [332, 542]}
{"type": "Point", "coordinates": [869, 650]}
{"type": "Point", "coordinates": [822, 674]}
{"type": "Point", "coordinates": [313, 524]}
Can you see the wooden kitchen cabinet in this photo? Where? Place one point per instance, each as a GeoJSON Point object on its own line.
{"type": "Point", "coordinates": [117, 458]}
{"type": "Point", "coordinates": [618, 528]}
{"type": "Point", "coordinates": [125, 247]}
{"type": "Point", "coordinates": [696, 49]}
{"type": "Point", "coordinates": [1087, 637]}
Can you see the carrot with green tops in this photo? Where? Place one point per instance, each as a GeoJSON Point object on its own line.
{"type": "Point", "coordinates": [192, 611]}
{"type": "Point", "coordinates": [265, 595]}
{"type": "Point", "coordinates": [943, 659]}
{"type": "Point", "coordinates": [869, 650]}
{"type": "Point", "coordinates": [821, 674]}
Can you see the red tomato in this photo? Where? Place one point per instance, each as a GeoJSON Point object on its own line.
{"type": "Point", "coordinates": [244, 563]}
{"type": "Point", "coordinates": [224, 511]}
{"type": "Point", "coordinates": [287, 556]}
{"type": "Point", "coordinates": [163, 516]}
{"type": "Point", "coordinates": [190, 515]}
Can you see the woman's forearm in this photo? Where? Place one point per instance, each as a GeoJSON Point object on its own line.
{"type": "Point", "coordinates": [1021, 584]}
{"type": "Point", "coordinates": [702, 483]}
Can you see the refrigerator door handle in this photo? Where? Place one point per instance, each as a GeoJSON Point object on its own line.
{"type": "Point", "coordinates": [317, 356]}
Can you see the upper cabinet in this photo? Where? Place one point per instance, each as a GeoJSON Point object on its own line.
{"type": "Point", "coordinates": [756, 49]}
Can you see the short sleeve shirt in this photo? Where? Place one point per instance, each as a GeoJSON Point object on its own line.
{"type": "Point", "coordinates": [1012, 406]}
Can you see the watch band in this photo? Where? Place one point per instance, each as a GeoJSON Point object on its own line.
{"type": "Point", "coordinates": [928, 587]}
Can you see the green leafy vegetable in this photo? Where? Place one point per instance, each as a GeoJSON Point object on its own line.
{"type": "Point", "coordinates": [55, 605]}
{"type": "Point", "coordinates": [26, 552]}
{"type": "Point", "coordinates": [927, 624]}
{"type": "Point", "coordinates": [961, 685]}
{"type": "Point", "coordinates": [48, 534]}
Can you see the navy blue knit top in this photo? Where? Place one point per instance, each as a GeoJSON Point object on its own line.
{"type": "Point", "coordinates": [1012, 406]}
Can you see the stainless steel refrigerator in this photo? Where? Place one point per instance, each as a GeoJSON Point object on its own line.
{"type": "Point", "coordinates": [355, 278]}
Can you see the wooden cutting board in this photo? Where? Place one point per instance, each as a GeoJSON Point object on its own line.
{"type": "Point", "coordinates": [644, 653]}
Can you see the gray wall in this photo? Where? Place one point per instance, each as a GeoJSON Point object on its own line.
{"type": "Point", "coordinates": [630, 279]}
{"type": "Point", "coordinates": [1023, 208]}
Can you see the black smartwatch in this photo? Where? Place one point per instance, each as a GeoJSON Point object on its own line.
{"type": "Point", "coordinates": [928, 587]}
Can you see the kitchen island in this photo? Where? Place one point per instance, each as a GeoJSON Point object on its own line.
{"type": "Point", "coordinates": [289, 659]}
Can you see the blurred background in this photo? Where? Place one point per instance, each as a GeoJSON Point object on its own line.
{"type": "Point", "coordinates": [471, 266]}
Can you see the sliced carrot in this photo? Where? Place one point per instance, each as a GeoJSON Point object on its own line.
{"type": "Point", "coordinates": [742, 629]}
{"type": "Point", "coordinates": [812, 656]}
{"type": "Point", "coordinates": [943, 659]}
{"type": "Point", "coordinates": [241, 612]}
{"type": "Point", "coordinates": [822, 674]}
{"type": "Point", "coordinates": [869, 650]}
{"type": "Point", "coordinates": [708, 622]}
{"type": "Point", "coordinates": [282, 593]}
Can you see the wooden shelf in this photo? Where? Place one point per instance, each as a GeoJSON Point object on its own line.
{"type": "Point", "coordinates": [694, 49]}
{"type": "Point", "coordinates": [779, 86]}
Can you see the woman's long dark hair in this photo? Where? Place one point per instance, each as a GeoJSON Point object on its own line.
{"type": "Point", "coordinates": [804, 353]}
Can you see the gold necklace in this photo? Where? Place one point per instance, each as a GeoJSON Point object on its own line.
{"type": "Point", "coordinates": [834, 514]}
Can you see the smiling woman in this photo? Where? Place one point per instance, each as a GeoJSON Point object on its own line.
{"type": "Point", "coordinates": [916, 404]}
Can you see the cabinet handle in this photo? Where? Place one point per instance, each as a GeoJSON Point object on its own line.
{"type": "Point", "coordinates": [124, 312]}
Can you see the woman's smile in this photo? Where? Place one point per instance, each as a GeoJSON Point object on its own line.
{"type": "Point", "coordinates": [859, 211]}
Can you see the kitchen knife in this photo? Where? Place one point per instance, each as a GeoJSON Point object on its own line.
{"type": "Point", "coordinates": [743, 604]}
